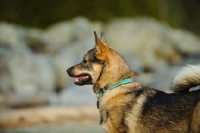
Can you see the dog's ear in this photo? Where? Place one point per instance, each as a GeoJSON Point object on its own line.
{"type": "Point", "coordinates": [103, 39]}
{"type": "Point", "coordinates": [100, 47]}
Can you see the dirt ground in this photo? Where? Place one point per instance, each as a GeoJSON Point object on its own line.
{"type": "Point", "coordinates": [67, 127]}
{"type": "Point", "coordinates": [50, 120]}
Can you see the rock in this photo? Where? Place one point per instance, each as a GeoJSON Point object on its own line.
{"type": "Point", "coordinates": [160, 79]}
{"type": "Point", "coordinates": [11, 36]}
{"type": "Point", "coordinates": [8, 35]}
{"type": "Point", "coordinates": [163, 77]}
{"type": "Point", "coordinates": [26, 74]}
{"type": "Point", "coordinates": [74, 96]}
{"type": "Point", "coordinates": [146, 38]}
{"type": "Point", "coordinates": [186, 42]}
{"type": "Point", "coordinates": [133, 61]}
{"type": "Point", "coordinates": [63, 33]}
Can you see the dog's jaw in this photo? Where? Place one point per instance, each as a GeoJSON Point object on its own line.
{"type": "Point", "coordinates": [80, 78]}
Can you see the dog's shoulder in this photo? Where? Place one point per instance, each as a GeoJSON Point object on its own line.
{"type": "Point", "coordinates": [123, 105]}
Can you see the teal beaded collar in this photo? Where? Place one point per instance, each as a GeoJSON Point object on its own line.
{"type": "Point", "coordinates": [112, 86]}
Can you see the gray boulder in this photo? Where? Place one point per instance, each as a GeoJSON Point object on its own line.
{"type": "Point", "coordinates": [26, 74]}
{"type": "Point", "coordinates": [155, 44]}
{"type": "Point", "coordinates": [61, 34]}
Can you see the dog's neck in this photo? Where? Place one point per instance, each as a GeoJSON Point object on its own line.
{"type": "Point", "coordinates": [113, 86]}
{"type": "Point", "coordinates": [114, 67]}
{"type": "Point", "coordinates": [108, 81]}
{"type": "Point", "coordinates": [113, 71]}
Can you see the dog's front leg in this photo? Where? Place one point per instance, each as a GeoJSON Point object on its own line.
{"type": "Point", "coordinates": [110, 128]}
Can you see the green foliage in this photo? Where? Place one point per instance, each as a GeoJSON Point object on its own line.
{"type": "Point", "coordinates": [42, 13]}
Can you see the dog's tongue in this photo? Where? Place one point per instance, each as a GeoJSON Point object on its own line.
{"type": "Point", "coordinates": [79, 79]}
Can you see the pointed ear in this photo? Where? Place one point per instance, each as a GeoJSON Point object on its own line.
{"type": "Point", "coordinates": [100, 47]}
{"type": "Point", "coordinates": [97, 41]}
{"type": "Point", "coordinates": [103, 39]}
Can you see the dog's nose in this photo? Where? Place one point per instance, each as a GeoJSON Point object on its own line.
{"type": "Point", "coordinates": [68, 70]}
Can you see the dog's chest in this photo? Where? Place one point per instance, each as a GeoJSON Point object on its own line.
{"type": "Point", "coordinates": [120, 113]}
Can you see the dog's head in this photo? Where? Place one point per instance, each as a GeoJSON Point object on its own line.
{"type": "Point", "coordinates": [91, 67]}
{"type": "Point", "coordinates": [101, 66]}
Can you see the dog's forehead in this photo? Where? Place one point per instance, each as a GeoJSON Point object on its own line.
{"type": "Point", "coordinates": [92, 51]}
{"type": "Point", "coordinates": [90, 54]}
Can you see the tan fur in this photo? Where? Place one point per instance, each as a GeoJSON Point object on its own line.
{"type": "Point", "coordinates": [196, 119]}
{"type": "Point", "coordinates": [108, 102]}
{"type": "Point", "coordinates": [119, 90]}
{"type": "Point", "coordinates": [132, 118]}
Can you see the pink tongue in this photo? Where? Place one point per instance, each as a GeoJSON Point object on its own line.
{"type": "Point", "coordinates": [78, 79]}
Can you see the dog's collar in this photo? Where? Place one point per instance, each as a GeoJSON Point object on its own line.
{"type": "Point", "coordinates": [112, 86]}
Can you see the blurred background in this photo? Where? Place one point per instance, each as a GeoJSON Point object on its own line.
{"type": "Point", "coordinates": [39, 40]}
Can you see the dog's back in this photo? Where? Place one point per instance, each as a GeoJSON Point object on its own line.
{"type": "Point", "coordinates": [139, 109]}
{"type": "Point", "coordinates": [171, 113]}
{"type": "Point", "coordinates": [177, 112]}
{"type": "Point", "coordinates": [187, 78]}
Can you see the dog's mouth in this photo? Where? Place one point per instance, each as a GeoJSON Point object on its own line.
{"type": "Point", "coordinates": [83, 79]}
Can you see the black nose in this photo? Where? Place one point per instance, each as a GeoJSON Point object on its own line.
{"type": "Point", "coordinates": [68, 70]}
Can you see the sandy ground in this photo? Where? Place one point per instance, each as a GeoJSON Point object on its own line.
{"type": "Point", "coordinates": [50, 120]}
{"type": "Point", "coordinates": [67, 127]}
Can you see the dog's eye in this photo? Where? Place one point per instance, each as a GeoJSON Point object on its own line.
{"type": "Point", "coordinates": [84, 61]}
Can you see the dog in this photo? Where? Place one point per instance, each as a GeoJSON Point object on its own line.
{"type": "Point", "coordinates": [127, 106]}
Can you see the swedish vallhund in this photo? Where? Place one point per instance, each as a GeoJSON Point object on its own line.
{"type": "Point", "coordinates": [126, 106]}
